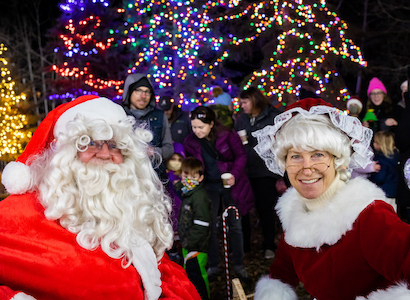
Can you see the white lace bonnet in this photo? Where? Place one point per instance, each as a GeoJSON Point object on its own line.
{"type": "Point", "coordinates": [360, 136]}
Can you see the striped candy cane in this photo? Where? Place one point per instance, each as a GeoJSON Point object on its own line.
{"type": "Point", "coordinates": [224, 215]}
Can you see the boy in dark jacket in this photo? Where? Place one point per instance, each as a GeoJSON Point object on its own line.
{"type": "Point", "coordinates": [194, 224]}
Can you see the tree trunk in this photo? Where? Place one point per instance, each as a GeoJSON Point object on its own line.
{"type": "Point", "coordinates": [362, 42]}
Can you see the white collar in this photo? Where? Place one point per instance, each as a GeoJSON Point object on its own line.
{"type": "Point", "coordinates": [328, 224]}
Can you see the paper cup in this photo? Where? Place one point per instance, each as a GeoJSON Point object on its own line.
{"type": "Point", "coordinates": [244, 137]}
{"type": "Point", "coordinates": [225, 177]}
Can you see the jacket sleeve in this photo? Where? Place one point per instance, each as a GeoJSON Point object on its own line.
{"type": "Point", "coordinates": [201, 223]}
{"type": "Point", "coordinates": [282, 279]}
{"type": "Point", "coordinates": [403, 128]}
{"type": "Point", "coordinates": [167, 149]}
{"type": "Point", "coordinates": [175, 282]}
{"type": "Point", "coordinates": [238, 150]}
{"type": "Point", "coordinates": [388, 251]}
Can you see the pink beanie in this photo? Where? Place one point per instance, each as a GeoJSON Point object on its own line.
{"type": "Point", "coordinates": [375, 83]}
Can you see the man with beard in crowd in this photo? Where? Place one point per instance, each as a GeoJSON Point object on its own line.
{"type": "Point", "coordinates": [87, 217]}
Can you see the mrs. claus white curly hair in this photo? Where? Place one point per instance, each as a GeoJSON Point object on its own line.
{"type": "Point", "coordinates": [313, 132]}
{"type": "Point", "coordinates": [105, 205]}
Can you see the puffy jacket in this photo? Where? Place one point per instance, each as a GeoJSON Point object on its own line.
{"type": "Point", "coordinates": [229, 145]}
{"type": "Point", "coordinates": [195, 217]}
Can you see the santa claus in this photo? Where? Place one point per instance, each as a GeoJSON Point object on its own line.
{"type": "Point", "coordinates": [87, 217]}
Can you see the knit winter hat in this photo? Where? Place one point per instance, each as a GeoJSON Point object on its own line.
{"type": "Point", "coordinates": [375, 83]}
{"type": "Point", "coordinates": [16, 176]}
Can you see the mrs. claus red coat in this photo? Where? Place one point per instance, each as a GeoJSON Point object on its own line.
{"type": "Point", "coordinates": [354, 247]}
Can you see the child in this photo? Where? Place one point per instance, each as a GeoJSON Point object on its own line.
{"type": "Point", "coordinates": [194, 224]}
{"type": "Point", "coordinates": [354, 106]}
{"type": "Point", "coordinates": [387, 155]}
{"type": "Point", "coordinates": [174, 164]}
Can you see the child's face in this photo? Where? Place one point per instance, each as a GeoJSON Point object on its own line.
{"type": "Point", "coordinates": [191, 176]}
{"type": "Point", "coordinates": [376, 146]}
{"type": "Point", "coordinates": [174, 163]}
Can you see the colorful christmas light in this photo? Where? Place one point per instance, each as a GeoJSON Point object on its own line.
{"type": "Point", "coordinates": [179, 45]}
{"type": "Point", "coordinates": [13, 137]}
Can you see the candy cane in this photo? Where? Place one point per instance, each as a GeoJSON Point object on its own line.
{"type": "Point", "coordinates": [224, 215]}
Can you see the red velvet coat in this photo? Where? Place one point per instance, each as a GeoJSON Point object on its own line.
{"type": "Point", "coordinates": [42, 259]}
{"type": "Point", "coordinates": [229, 145]}
{"type": "Point", "coordinates": [354, 246]}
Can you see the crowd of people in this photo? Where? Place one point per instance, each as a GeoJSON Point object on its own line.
{"type": "Point", "coordinates": [121, 202]}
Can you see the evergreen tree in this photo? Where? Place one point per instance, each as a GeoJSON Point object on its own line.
{"type": "Point", "coordinates": [13, 132]}
{"type": "Point", "coordinates": [186, 47]}
{"type": "Point", "coordinates": [176, 44]}
{"type": "Point", "coordinates": [308, 51]}
{"type": "Point", "coordinates": [86, 62]}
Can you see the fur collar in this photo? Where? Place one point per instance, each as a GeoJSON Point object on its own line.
{"type": "Point", "coordinates": [328, 224]}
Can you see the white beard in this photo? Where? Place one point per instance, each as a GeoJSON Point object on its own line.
{"type": "Point", "coordinates": [106, 205]}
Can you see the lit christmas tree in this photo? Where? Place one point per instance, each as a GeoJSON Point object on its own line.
{"type": "Point", "coordinates": [13, 134]}
{"type": "Point", "coordinates": [86, 62]}
{"type": "Point", "coordinates": [177, 45]}
{"type": "Point", "coordinates": [309, 49]}
{"type": "Point", "coordinates": [186, 47]}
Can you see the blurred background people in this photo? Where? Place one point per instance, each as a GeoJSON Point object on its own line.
{"type": "Point", "coordinates": [221, 151]}
{"type": "Point", "coordinates": [387, 156]}
{"type": "Point", "coordinates": [258, 113]}
{"type": "Point", "coordinates": [138, 100]}
{"type": "Point", "coordinates": [178, 119]}
{"type": "Point", "coordinates": [381, 106]}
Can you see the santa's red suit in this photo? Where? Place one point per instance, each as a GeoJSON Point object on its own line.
{"type": "Point", "coordinates": [44, 260]}
{"type": "Point", "coordinates": [355, 246]}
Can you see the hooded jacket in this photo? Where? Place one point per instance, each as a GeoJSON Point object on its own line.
{"type": "Point", "coordinates": [152, 116]}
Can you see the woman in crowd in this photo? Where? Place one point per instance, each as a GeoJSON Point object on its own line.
{"type": "Point", "coordinates": [379, 106]}
{"type": "Point", "coordinates": [341, 239]}
{"type": "Point", "coordinates": [258, 113]}
{"type": "Point", "coordinates": [220, 150]}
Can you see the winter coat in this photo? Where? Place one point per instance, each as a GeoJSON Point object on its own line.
{"type": "Point", "coordinates": [180, 125]}
{"type": "Point", "coordinates": [388, 176]}
{"type": "Point", "coordinates": [153, 117]}
{"type": "Point", "coordinates": [229, 145]}
{"type": "Point", "coordinates": [194, 222]}
{"type": "Point", "coordinates": [256, 167]}
{"type": "Point", "coordinates": [403, 144]}
{"type": "Point", "coordinates": [353, 246]}
{"type": "Point", "coordinates": [44, 260]}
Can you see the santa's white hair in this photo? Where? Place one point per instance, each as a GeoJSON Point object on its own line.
{"type": "Point", "coordinates": [313, 132]}
{"type": "Point", "coordinates": [107, 205]}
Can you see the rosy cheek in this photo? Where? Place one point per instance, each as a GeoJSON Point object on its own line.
{"type": "Point", "coordinates": [117, 159]}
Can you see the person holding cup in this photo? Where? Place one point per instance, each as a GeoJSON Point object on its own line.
{"type": "Point", "coordinates": [258, 113]}
{"type": "Point", "coordinates": [221, 151]}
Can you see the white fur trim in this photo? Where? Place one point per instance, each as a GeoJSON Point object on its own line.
{"type": "Point", "coordinates": [95, 109]}
{"type": "Point", "coordinates": [273, 289]}
{"type": "Point", "coordinates": [397, 292]}
{"type": "Point", "coordinates": [22, 296]}
{"type": "Point", "coordinates": [354, 101]}
{"type": "Point", "coordinates": [16, 178]}
{"type": "Point", "coordinates": [145, 261]}
{"type": "Point", "coordinates": [328, 224]}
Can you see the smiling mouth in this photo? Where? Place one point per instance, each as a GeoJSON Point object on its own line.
{"type": "Point", "coordinates": [310, 181]}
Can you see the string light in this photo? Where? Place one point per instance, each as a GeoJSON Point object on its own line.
{"type": "Point", "coordinates": [13, 137]}
{"type": "Point", "coordinates": [177, 43]}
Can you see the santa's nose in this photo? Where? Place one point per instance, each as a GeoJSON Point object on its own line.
{"type": "Point", "coordinates": [104, 153]}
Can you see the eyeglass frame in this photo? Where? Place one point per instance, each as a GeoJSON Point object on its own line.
{"type": "Point", "coordinates": [381, 93]}
{"type": "Point", "coordinates": [312, 168]}
{"type": "Point", "coordinates": [99, 144]}
{"type": "Point", "coordinates": [140, 92]}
